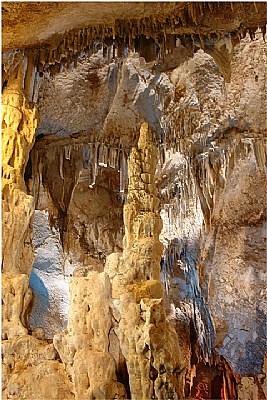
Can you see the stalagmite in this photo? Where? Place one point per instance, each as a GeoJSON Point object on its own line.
{"type": "Point", "coordinates": [19, 122]}
{"type": "Point", "coordinates": [149, 343]}
{"type": "Point", "coordinates": [84, 352]}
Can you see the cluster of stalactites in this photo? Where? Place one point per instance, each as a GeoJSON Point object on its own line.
{"type": "Point", "coordinates": [215, 379]}
{"type": "Point", "coordinates": [100, 155]}
{"type": "Point", "coordinates": [93, 156]}
{"type": "Point", "coordinates": [31, 79]}
{"type": "Point", "coordinates": [153, 37]}
{"type": "Point", "coordinates": [175, 257]}
{"type": "Point", "coordinates": [151, 45]}
{"type": "Point", "coordinates": [202, 174]}
{"type": "Point", "coordinates": [170, 257]}
{"type": "Point", "coordinates": [178, 193]}
{"type": "Point", "coordinates": [211, 169]}
{"type": "Point", "coordinates": [198, 181]}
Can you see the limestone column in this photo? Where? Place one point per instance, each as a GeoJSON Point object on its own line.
{"type": "Point", "coordinates": [148, 341]}
{"type": "Point", "coordinates": [19, 122]}
{"type": "Point", "coordinates": [84, 348]}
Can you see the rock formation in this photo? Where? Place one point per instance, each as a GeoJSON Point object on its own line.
{"type": "Point", "coordinates": [19, 122]}
{"type": "Point", "coordinates": [148, 341]}
{"type": "Point", "coordinates": [134, 201]}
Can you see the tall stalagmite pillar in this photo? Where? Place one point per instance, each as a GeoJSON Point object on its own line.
{"type": "Point", "coordinates": [148, 341]}
{"type": "Point", "coordinates": [19, 122]}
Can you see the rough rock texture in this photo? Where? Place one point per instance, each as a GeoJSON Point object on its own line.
{"type": "Point", "coordinates": [227, 168]}
{"type": "Point", "coordinates": [84, 349]}
{"type": "Point", "coordinates": [56, 18]}
{"type": "Point", "coordinates": [31, 366]}
{"type": "Point", "coordinates": [19, 121]}
{"type": "Point", "coordinates": [49, 279]}
{"type": "Point", "coordinates": [239, 228]}
{"type": "Point", "coordinates": [16, 296]}
{"type": "Point", "coordinates": [148, 342]}
{"type": "Point", "coordinates": [176, 309]}
{"type": "Point", "coordinates": [46, 23]}
{"type": "Point", "coordinates": [81, 193]}
{"type": "Point", "coordinates": [228, 174]}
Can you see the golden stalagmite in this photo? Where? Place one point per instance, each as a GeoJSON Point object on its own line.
{"type": "Point", "coordinates": [30, 364]}
{"type": "Point", "coordinates": [19, 122]}
{"type": "Point", "coordinates": [84, 348]}
{"type": "Point", "coordinates": [149, 343]}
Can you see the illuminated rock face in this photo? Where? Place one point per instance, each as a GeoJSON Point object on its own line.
{"type": "Point", "coordinates": [84, 350]}
{"type": "Point", "coordinates": [19, 122]}
{"type": "Point", "coordinates": [149, 343]}
{"type": "Point", "coordinates": [157, 229]}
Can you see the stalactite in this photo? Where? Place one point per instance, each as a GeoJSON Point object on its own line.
{"type": "Point", "coordinates": [122, 168]}
{"type": "Point", "coordinates": [92, 176]}
{"type": "Point", "coordinates": [100, 155]}
{"type": "Point", "coordinates": [105, 155]}
{"type": "Point", "coordinates": [68, 150]}
{"type": "Point", "coordinates": [37, 84]}
{"type": "Point", "coordinates": [263, 31]}
{"type": "Point", "coordinates": [30, 77]}
{"type": "Point", "coordinates": [96, 157]}
{"type": "Point", "coordinates": [260, 152]}
{"type": "Point", "coordinates": [111, 157]}
{"type": "Point", "coordinates": [86, 154]}
{"type": "Point", "coordinates": [61, 160]}
{"type": "Point", "coordinates": [35, 175]}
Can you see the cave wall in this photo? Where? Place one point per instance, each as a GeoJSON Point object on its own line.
{"type": "Point", "coordinates": [159, 307]}
{"type": "Point", "coordinates": [49, 279]}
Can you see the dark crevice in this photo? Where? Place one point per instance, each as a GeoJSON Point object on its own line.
{"type": "Point", "coordinates": [123, 375]}
{"type": "Point", "coordinates": [28, 172]}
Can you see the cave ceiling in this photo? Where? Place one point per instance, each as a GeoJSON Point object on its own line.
{"type": "Point", "coordinates": [35, 23]}
{"type": "Point", "coordinates": [55, 36]}
{"type": "Point", "coordinates": [56, 33]}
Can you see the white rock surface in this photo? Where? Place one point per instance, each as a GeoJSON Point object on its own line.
{"type": "Point", "coordinates": [49, 278]}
